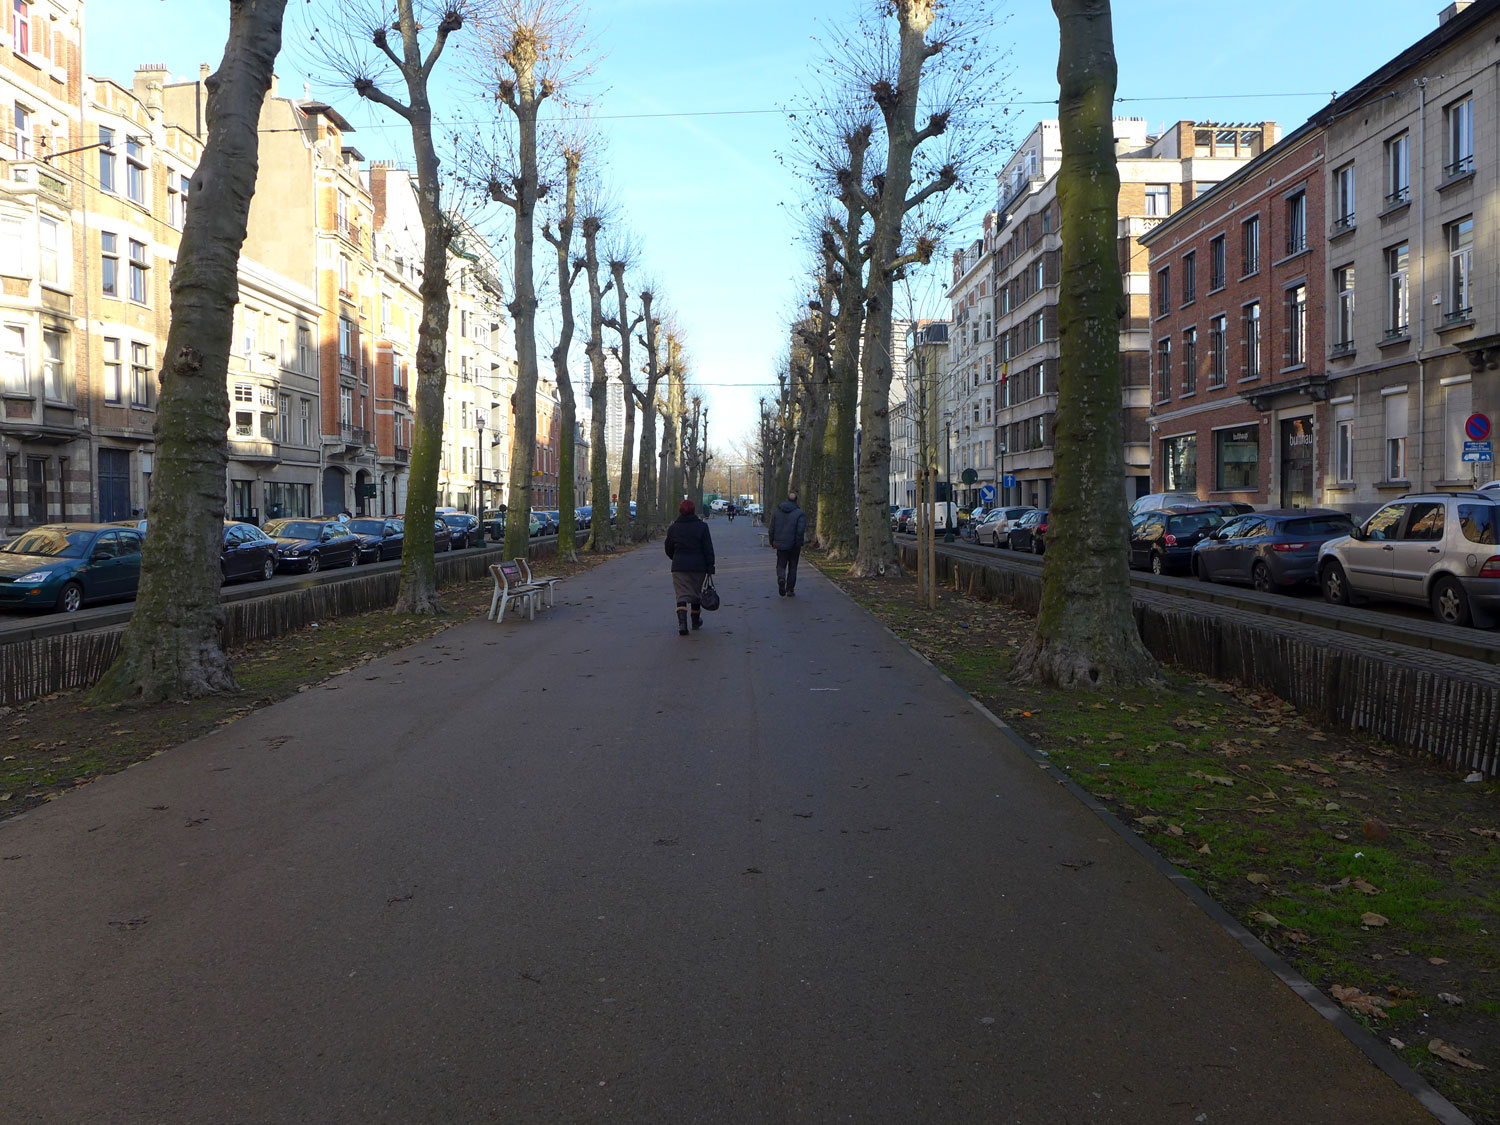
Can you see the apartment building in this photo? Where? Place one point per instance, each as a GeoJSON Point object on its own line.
{"type": "Point", "coordinates": [968, 392]}
{"type": "Point", "coordinates": [482, 372]}
{"type": "Point", "coordinates": [917, 431]}
{"type": "Point", "coordinates": [45, 407]}
{"type": "Point", "coordinates": [1237, 339]}
{"type": "Point", "coordinates": [1158, 175]}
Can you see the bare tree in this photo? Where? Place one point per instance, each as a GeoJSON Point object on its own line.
{"type": "Point", "coordinates": [568, 269]}
{"type": "Point", "coordinates": [1086, 635]}
{"type": "Point", "coordinates": [172, 647]}
{"type": "Point", "coordinates": [649, 517]}
{"type": "Point", "coordinates": [601, 534]}
{"type": "Point", "coordinates": [619, 261]}
{"type": "Point", "coordinates": [376, 53]}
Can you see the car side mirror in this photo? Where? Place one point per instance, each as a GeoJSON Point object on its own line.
{"type": "Point", "coordinates": [1356, 533]}
{"type": "Point", "coordinates": [99, 555]}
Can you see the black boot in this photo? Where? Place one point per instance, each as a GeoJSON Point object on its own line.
{"type": "Point", "coordinates": [682, 628]}
{"type": "Point", "coordinates": [697, 620]}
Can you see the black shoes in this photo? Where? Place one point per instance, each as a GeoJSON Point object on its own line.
{"type": "Point", "coordinates": [781, 587]}
{"type": "Point", "coordinates": [791, 593]}
{"type": "Point", "coordinates": [682, 629]}
{"type": "Point", "coordinates": [697, 622]}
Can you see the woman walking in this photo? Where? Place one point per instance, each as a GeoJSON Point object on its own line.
{"type": "Point", "coordinates": [691, 549]}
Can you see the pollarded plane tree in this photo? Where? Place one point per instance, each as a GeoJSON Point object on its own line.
{"type": "Point", "coordinates": [1086, 635]}
{"type": "Point", "coordinates": [172, 648]}
{"type": "Point", "coordinates": [648, 509]}
{"type": "Point", "coordinates": [559, 233]}
{"type": "Point", "coordinates": [621, 257]}
{"type": "Point", "coordinates": [601, 533]}
{"type": "Point", "coordinates": [388, 51]}
{"type": "Point", "coordinates": [812, 348]}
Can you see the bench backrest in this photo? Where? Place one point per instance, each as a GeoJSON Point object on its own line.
{"type": "Point", "coordinates": [507, 574]}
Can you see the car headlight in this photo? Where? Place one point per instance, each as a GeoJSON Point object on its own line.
{"type": "Point", "coordinates": [35, 576]}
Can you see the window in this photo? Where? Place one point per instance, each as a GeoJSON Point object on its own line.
{"type": "Point", "coordinates": [1480, 523]}
{"type": "Point", "coordinates": [1397, 261]}
{"type": "Point", "coordinates": [177, 197]}
{"type": "Point", "coordinates": [268, 426]}
{"type": "Point", "coordinates": [114, 385]}
{"type": "Point", "coordinates": [1189, 278]}
{"type": "Point", "coordinates": [1425, 522]}
{"type": "Point", "coordinates": [1343, 199]}
{"type": "Point", "coordinates": [1158, 200]}
{"type": "Point", "coordinates": [1398, 170]}
{"type": "Point", "coordinates": [304, 421]}
{"type": "Point", "coordinates": [1343, 443]}
{"type": "Point", "coordinates": [1460, 262]}
{"type": "Point", "coordinates": [244, 392]}
{"type": "Point", "coordinates": [1343, 292]}
{"type": "Point", "coordinates": [20, 28]}
{"type": "Point", "coordinates": [1395, 436]}
{"type": "Point", "coordinates": [140, 375]}
{"type": "Point", "coordinates": [12, 247]}
{"type": "Point", "coordinates": [51, 251]}
{"type": "Point", "coordinates": [54, 365]}
{"type": "Point", "coordinates": [1296, 323]}
{"type": "Point", "coordinates": [14, 357]}
{"type": "Point", "coordinates": [1236, 458]}
{"type": "Point", "coordinates": [139, 265]}
{"type": "Point", "coordinates": [1179, 463]}
{"type": "Point", "coordinates": [1164, 370]}
{"type": "Point", "coordinates": [1164, 291]}
{"type": "Point", "coordinates": [1250, 244]}
{"type": "Point", "coordinates": [1459, 119]}
{"type": "Point", "coordinates": [1252, 341]}
{"type": "Point", "coordinates": [1296, 223]}
{"type": "Point", "coordinates": [346, 406]}
{"type": "Point", "coordinates": [106, 160]}
{"type": "Point", "coordinates": [343, 274]}
{"type": "Point", "coordinates": [109, 263]}
{"type": "Point", "coordinates": [1216, 263]}
{"type": "Point", "coordinates": [1190, 361]}
{"type": "Point", "coordinates": [23, 132]}
{"type": "Point", "coordinates": [137, 182]}
{"type": "Point", "coordinates": [1217, 362]}
{"type": "Point", "coordinates": [284, 418]}
{"type": "Point", "coordinates": [244, 423]}
{"type": "Point", "coordinates": [304, 349]}
{"type": "Point", "coordinates": [346, 346]}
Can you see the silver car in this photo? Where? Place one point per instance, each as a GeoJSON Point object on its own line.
{"type": "Point", "coordinates": [995, 528]}
{"type": "Point", "coordinates": [1434, 549]}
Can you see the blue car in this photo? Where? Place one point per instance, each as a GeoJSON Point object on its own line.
{"type": "Point", "coordinates": [64, 566]}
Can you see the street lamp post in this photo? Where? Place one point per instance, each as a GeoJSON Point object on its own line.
{"type": "Point", "coordinates": [949, 511]}
{"type": "Point", "coordinates": [1004, 497]}
{"type": "Point", "coordinates": [479, 479]}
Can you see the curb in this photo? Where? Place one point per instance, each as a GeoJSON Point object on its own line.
{"type": "Point", "coordinates": [1372, 1048]}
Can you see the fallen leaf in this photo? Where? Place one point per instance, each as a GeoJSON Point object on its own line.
{"type": "Point", "coordinates": [1437, 960]}
{"type": "Point", "coordinates": [1173, 830]}
{"type": "Point", "coordinates": [1458, 1056]}
{"type": "Point", "coordinates": [1357, 1001]}
{"type": "Point", "coordinates": [1266, 919]}
{"type": "Point", "coordinates": [1399, 993]}
{"type": "Point", "coordinates": [1204, 850]}
{"type": "Point", "coordinates": [1214, 779]}
{"type": "Point", "coordinates": [1450, 998]}
{"type": "Point", "coordinates": [1303, 763]}
{"type": "Point", "coordinates": [1366, 886]}
{"type": "Point", "coordinates": [1298, 936]}
{"type": "Point", "coordinates": [1258, 879]}
{"type": "Point", "coordinates": [1491, 833]}
{"type": "Point", "coordinates": [1370, 918]}
{"type": "Point", "coordinates": [1396, 1043]}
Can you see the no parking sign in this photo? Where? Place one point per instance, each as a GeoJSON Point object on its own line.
{"type": "Point", "coordinates": [1477, 428]}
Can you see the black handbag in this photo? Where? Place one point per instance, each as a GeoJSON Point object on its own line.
{"type": "Point", "coordinates": [708, 597]}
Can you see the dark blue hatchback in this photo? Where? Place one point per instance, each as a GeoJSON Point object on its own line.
{"type": "Point", "coordinates": [1269, 550]}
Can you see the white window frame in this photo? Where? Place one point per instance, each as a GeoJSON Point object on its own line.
{"type": "Point", "coordinates": [1458, 118]}
{"type": "Point", "coordinates": [1398, 290]}
{"type": "Point", "coordinates": [15, 360]}
{"type": "Point", "coordinates": [1460, 294]}
{"type": "Point", "coordinates": [1398, 169]}
{"type": "Point", "coordinates": [1343, 291]}
{"type": "Point", "coordinates": [1343, 198]}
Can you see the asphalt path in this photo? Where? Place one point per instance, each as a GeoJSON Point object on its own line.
{"type": "Point", "coordinates": [583, 869]}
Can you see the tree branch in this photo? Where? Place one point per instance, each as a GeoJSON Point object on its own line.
{"type": "Point", "coordinates": [936, 126]}
{"type": "Point", "coordinates": [946, 179]}
{"type": "Point", "coordinates": [367, 89]}
{"type": "Point", "coordinates": [451, 22]}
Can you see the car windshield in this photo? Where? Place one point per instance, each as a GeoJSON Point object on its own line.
{"type": "Point", "coordinates": [1319, 525]}
{"type": "Point", "coordinates": [52, 542]}
{"type": "Point", "coordinates": [296, 529]}
{"type": "Point", "coordinates": [1481, 523]}
{"type": "Point", "coordinates": [366, 527]}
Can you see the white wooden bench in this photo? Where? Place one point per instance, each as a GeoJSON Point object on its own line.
{"type": "Point", "coordinates": [765, 538]}
{"type": "Point", "coordinates": [512, 591]}
{"type": "Point", "coordinates": [547, 582]}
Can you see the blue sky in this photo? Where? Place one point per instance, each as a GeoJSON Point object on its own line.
{"type": "Point", "coordinates": [697, 180]}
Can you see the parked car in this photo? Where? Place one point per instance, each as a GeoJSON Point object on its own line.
{"type": "Point", "coordinates": [995, 530]}
{"type": "Point", "coordinates": [64, 566]}
{"type": "Point", "coordinates": [976, 516]}
{"type": "Point", "coordinates": [905, 520]}
{"type": "Point", "coordinates": [1436, 549]}
{"type": "Point", "coordinates": [1270, 550]}
{"type": "Point", "coordinates": [1155, 501]}
{"type": "Point", "coordinates": [1029, 532]}
{"type": "Point", "coordinates": [442, 536]}
{"type": "Point", "coordinates": [494, 522]}
{"type": "Point", "coordinates": [1491, 486]}
{"type": "Point", "coordinates": [1163, 542]}
{"type": "Point", "coordinates": [247, 552]}
{"type": "Point", "coordinates": [1229, 509]}
{"type": "Point", "coordinates": [380, 538]}
{"type": "Point", "coordinates": [583, 516]}
{"type": "Point", "coordinates": [311, 544]}
{"type": "Point", "coordinates": [463, 529]}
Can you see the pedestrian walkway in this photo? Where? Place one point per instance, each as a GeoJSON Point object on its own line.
{"type": "Point", "coordinates": [585, 869]}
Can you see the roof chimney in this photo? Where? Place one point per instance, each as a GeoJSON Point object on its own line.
{"type": "Point", "coordinates": [1452, 10]}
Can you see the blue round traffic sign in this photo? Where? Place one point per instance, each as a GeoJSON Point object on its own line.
{"type": "Point", "coordinates": [1477, 427]}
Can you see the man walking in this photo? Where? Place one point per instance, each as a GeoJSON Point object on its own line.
{"type": "Point", "coordinates": [788, 528]}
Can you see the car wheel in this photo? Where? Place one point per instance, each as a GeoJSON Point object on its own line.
{"type": "Point", "coordinates": [1450, 604]}
{"type": "Point", "coordinates": [1158, 564]}
{"type": "Point", "coordinates": [267, 568]}
{"type": "Point", "coordinates": [313, 563]}
{"type": "Point", "coordinates": [356, 557]}
{"type": "Point", "coordinates": [70, 598]}
{"type": "Point", "coordinates": [1260, 578]}
{"type": "Point", "coordinates": [1335, 584]}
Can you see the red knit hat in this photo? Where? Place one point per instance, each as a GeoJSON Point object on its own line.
{"type": "Point", "coordinates": [686, 508]}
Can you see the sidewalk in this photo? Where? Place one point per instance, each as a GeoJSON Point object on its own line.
{"type": "Point", "coordinates": [584, 869]}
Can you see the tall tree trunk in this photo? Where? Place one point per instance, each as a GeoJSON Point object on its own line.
{"type": "Point", "coordinates": [625, 326]}
{"type": "Point", "coordinates": [649, 520]}
{"type": "Point", "coordinates": [601, 534]}
{"type": "Point", "coordinates": [567, 273]}
{"type": "Point", "coordinates": [172, 646]}
{"type": "Point", "coordinates": [672, 435]}
{"type": "Point", "coordinates": [523, 98]}
{"type": "Point", "coordinates": [1086, 635]}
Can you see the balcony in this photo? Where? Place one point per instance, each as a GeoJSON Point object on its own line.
{"type": "Point", "coordinates": [348, 229]}
{"type": "Point", "coordinates": [346, 366]}
{"type": "Point", "coordinates": [400, 394]}
{"type": "Point", "coordinates": [403, 456]}
{"type": "Point", "coordinates": [1341, 349]}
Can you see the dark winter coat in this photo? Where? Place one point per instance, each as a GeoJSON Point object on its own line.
{"type": "Point", "coordinates": [788, 526]}
{"type": "Point", "coordinates": [689, 545]}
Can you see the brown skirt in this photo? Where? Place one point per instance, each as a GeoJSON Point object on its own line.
{"type": "Point", "coordinates": [688, 586]}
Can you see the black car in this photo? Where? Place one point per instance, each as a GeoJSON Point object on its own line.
{"type": "Point", "coordinates": [583, 516]}
{"type": "Point", "coordinates": [311, 544]}
{"type": "Point", "coordinates": [904, 520]}
{"type": "Point", "coordinates": [1270, 550]}
{"type": "Point", "coordinates": [248, 552]}
{"type": "Point", "coordinates": [549, 520]}
{"type": "Point", "coordinates": [380, 538]}
{"type": "Point", "coordinates": [1029, 533]}
{"type": "Point", "coordinates": [494, 524]}
{"type": "Point", "coordinates": [463, 530]}
{"type": "Point", "coordinates": [1163, 542]}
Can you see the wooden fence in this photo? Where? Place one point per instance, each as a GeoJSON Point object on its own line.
{"type": "Point", "coordinates": [36, 667]}
{"type": "Point", "coordinates": [1441, 705]}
